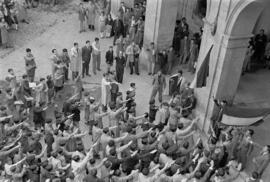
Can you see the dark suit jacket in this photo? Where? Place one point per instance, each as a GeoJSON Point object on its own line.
{"type": "Point", "coordinates": [82, 14]}
{"type": "Point", "coordinates": [118, 27]}
{"type": "Point", "coordinates": [86, 54]}
{"type": "Point", "coordinates": [109, 57]}
{"type": "Point", "coordinates": [121, 11]}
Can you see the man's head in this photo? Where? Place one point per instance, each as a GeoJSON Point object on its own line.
{"type": "Point", "coordinates": [11, 71]}
{"type": "Point", "coordinates": [122, 4]}
{"type": "Point", "coordinates": [184, 19]}
{"type": "Point", "coordinates": [28, 51]}
{"type": "Point", "coordinates": [262, 31]}
{"type": "Point", "coordinates": [250, 132]}
{"type": "Point", "coordinates": [255, 175]}
{"type": "Point", "coordinates": [111, 48]}
{"type": "Point", "coordinates": [96, 40]}
{"type": "Point", "coordinates": [132, 85]}
{"type": "Point", "coordinates": [87, 43]}
{"type": "Point", "coordinates": [159, 73]}
{"type": "Point", "coordinates": [24, 76]}
{"type": "Point", "coordinates": [76, 45]}
{"type": "Point", "coordinates": [145, 171]}
{"type": "Point", "coordinates": [54, 51]}
{"type": "Point", "coordinates": [180, 73]}
{"type": "Point", "coordinates": [65, 51]}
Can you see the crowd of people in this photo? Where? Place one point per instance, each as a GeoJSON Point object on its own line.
{"type": "Point", "coordinates": [42, 128]}
{"type": "Point", "coordinates": [14, 12]}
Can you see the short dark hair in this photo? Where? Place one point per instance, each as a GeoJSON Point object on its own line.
{"type": "Point", "coordinates": [255, 175]}
{"type": "Point", "coordinates": [87, 42]}
{"type": "Point", "coordinates": [251, 131]}
{"type": "Point", "coordinates": [53, 50]}
{"type": "Point", "coordinates": [65, 50]}
{"type": "Point", "coordinates": [180, 72]}
{"type": "Point", "coordinates": [96, 39]}
{"type": "Point", "coordinates": [10, 69]}
{"type": "Point", "coordinates": [75, 44]}
{"type": "Point", "coordinates": [28, 50]}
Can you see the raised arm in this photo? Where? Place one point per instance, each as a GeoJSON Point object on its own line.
{"type": "Point", "coordinates": [125, 178]}
{"type": "Point", "coordinates": [8, 167]}
{"type": "Point", "coordinates": [14, 142]}
{"type": "Point", "coordinates": [42, 152]}
{"type": "Point", "coordinates": [119, 139]}
{"type": "Point", "coordinates": [157, 175]}
{"type": "Point", "coordinates": [120, 110]}
{"type": "Point", "coordinates": [179, 137]}
{"type": "Point", "coordinates": [79, 135]}
{"type": "Point", "coordinates": [124, 147]}
{"type": "Point", "coordinates": [19, 175]}
{"type": "Point", "coordinates": [99, 165]}
{"type": "Point", "coordinates": [191, 175]}
{"type": "Point", "coordinates": [188, 129]}
{"type": "Point", "coordinates": [14, 127]}
{"type": "Point", "coordinates": [154, 168]}
{"type": "Point", "coordinates": [102, 114]}
{"type": "Point", "coordinates": [5, 153]}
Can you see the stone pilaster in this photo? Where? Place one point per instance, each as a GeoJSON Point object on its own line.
{"type": "Point", "coordinates": [160, 22]}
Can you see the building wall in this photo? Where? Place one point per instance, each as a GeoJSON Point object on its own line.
{"type": "Point", "coordinates": [235, 23]}
{"type": "Point", "coordinates": [186, 9]}
{"type": "Point", "coordinates": [263, 22]}
{"type": "Point", "coordinates": [115, 5]}
{"type": "Point", "coordinates": [160, 22]}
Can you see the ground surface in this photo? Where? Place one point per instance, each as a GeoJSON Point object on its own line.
{"type": "Point", "coordinates": [58, 28]}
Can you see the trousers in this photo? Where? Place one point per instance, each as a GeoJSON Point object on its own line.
{"type": "Point", "coordinates": [156, 90]}
{"type": "Point", "coordinates": [96, 63]}
{"type": "Point", "coordinates": [85, 68]}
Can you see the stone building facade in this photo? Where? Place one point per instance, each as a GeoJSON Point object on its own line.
{"type": "Point", "coordinates": [228, 26]}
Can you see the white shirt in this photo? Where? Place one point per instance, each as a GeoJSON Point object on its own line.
{"type": "Point", "coordinates": [96, 48]}
{"type": "Point", "coordinates": [74, 52]}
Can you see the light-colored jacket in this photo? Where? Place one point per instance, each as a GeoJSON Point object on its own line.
{"type": "Point", "coordinates": [75, 60]}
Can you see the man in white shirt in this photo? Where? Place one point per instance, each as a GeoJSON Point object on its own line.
{"type": "Point", "coordinates": [96, 56]}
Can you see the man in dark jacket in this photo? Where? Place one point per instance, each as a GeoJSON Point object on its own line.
{"type": "Point", "coordinates": [109, 58]}
{"type": "Point", "coordinates": [86, 57]}
{"type": "Point", "coordinates": [118, 29]}
{"type": "Point", "coordinates": [120, 67]}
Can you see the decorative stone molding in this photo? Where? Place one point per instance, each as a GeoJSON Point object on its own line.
{"type": "Point", "coordinates": [235, 42]}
